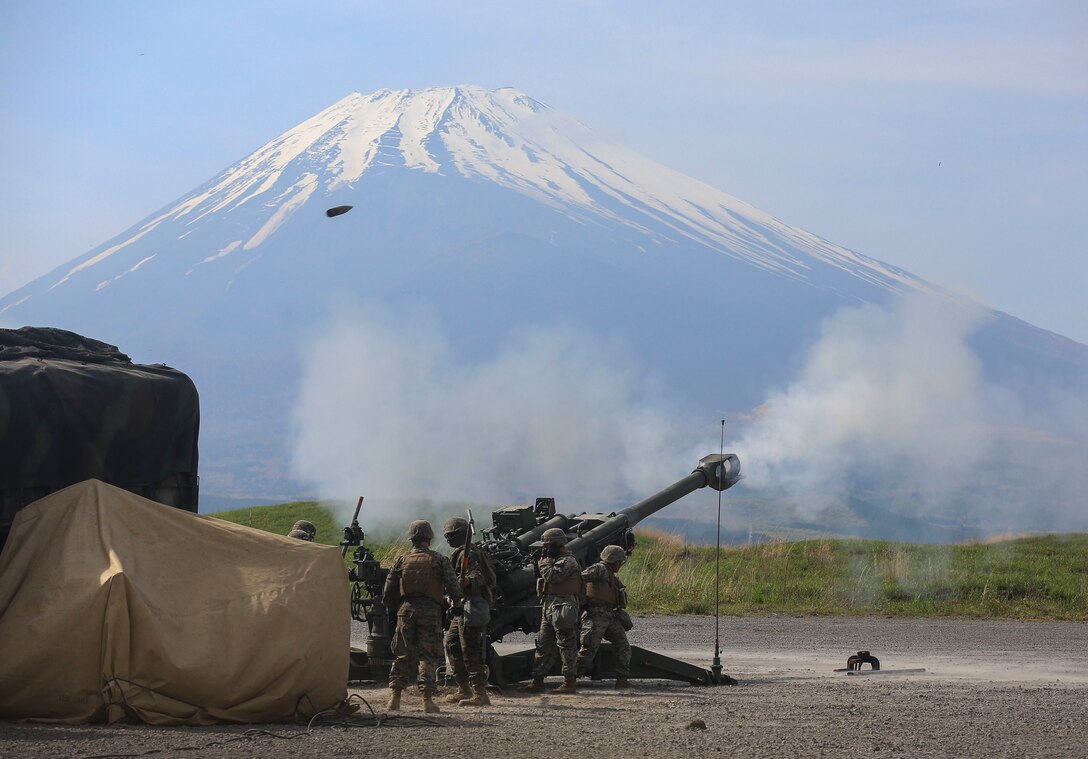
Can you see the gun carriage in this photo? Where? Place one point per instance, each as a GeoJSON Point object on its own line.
{"type": "Point", "coordinates": [513, 543]}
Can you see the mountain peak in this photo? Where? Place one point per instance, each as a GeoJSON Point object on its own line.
{"type": "Point", "coordinates": [499, 137]}
{"type": "Point", "coordinates": [468, 123]}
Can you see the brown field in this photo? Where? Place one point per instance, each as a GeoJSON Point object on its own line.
{"type": "Point", "coordinates": [990, 689]}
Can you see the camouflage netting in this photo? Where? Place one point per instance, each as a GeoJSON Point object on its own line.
{"type": "Point", "coordinates": [73, 408]}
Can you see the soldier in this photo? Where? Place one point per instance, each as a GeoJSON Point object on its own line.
{"type": "Point", "coordinates": [605, 599]}
{"type": "Point", "coordinates": [466, 643]}
{"type": "Point", "coordinates": [559, 585]}
{"type": "Point", "coordinates": [305, 527]}
{"type": "Point", "coordinates": [416, 584]}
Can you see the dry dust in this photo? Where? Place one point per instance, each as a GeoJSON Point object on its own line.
{"type": "Point", "coordinates": [993, 689]}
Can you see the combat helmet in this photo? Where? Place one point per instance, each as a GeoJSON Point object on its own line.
{"type": "Point", "coordinates": [554, 535]}
{"type": "Point", "coordinates": [305, 526]}
{"type": "Point", "coordinates": [301, 535]}
{"type": "Point", "coordinates": [613, 555]}
{"type": "Point", "coordinates": [420, 529]}
{"type": "Point", "coordinates": [456, 531]}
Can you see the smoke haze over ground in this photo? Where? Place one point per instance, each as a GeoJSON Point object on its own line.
{"type": "Point", "coordinates": [390, 412]}
{"type": "Point", "coordinates": [891, 403]}
{"type": "Point", "coordinates": [893, 398]}
{"type": "Point", "coordinates": [882, 389]}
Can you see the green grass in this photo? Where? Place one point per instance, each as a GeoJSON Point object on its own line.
{"type": "Point", "coordinates": [1044, 577]}
{"type": "Point", "coordinates": [1040, 577]}
{"type": "Point", "coordinates": [281, 517]}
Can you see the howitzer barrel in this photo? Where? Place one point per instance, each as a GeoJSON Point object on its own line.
{"type": "Point", "coordinates": [718, 471]}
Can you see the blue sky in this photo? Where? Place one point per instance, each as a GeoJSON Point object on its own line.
{"type": "Point", "coordinates": [949, 138]}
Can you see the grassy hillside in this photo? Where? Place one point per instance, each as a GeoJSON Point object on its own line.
{"type": "Point", "coordinates": [281, 517]}
{"type": "Point", "coordinates": [1042, 577]}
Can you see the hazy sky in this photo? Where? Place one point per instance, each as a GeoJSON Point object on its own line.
{"type": "Point", "coordinates": [949, 138]}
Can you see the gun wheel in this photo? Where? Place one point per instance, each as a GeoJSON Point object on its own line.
{"type": "Point", "coordinates": [358, 605]}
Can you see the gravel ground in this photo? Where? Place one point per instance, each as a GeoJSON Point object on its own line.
{"type": "Point", "coordinates": [993, 689]}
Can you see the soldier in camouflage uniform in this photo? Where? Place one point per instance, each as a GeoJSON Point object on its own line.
{"type": "Point", "coordinates": [559, 585]}
{"type": "Point", "coordinates": [303, 530]}
{"type": "Point", "coordinates": [305, 526]}
{"type": "Point", "coordinates": [416, 583]}
{"type": "Point", "coordinates": [466, 646]}
{"type": "Point", "coordinates": [605, 597]}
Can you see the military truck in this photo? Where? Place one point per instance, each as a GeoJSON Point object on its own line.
{"type": "Point", "coordinates": [73, 408]}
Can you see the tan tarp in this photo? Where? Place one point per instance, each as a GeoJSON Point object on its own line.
{"type": "Point", "coordinates": [111, 604]}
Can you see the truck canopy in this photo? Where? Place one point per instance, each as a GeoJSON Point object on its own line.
{"type": "Point", "coordinates": [73, 408]}
{"type": "Point", "coordinates": [116, 607]}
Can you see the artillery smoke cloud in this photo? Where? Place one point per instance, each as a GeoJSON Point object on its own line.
{"type": "Point", "coordinates": [891, 404]}
{"type": "Point", "coordinates": [895, 397]}
{"type": "Point", "coordinates": [391, 413]}
{"type": "Point", "coordinates": [882, 386]}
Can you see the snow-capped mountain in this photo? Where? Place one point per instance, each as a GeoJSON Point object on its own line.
{"type": "Point", "coordinates": [487, 210]}
{"type": "Point", "coordinates": [504, 137]}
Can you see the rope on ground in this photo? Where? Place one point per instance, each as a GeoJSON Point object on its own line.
{"type": "Point", "coordinates": [341, 715]}
{"type": "Point", "coordinates": [345, 716]}
{"type": "Point", "coordinates": [247, 735]}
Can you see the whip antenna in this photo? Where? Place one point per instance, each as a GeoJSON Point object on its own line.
{"type": "Point", "coordinates": [716, 667]}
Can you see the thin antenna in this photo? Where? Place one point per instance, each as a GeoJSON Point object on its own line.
{"type": "Point", "coordinates": [716, 667]}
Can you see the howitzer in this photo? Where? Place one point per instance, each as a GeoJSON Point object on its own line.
{"type": "Point", "coordinates": [513, 543]}
{"type": "Point", "coordinates": [367, 583]}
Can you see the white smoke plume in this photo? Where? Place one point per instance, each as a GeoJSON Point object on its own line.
{"type": "Point", "coordinates": [391, 413]}
{"type": "Point", "coordinates": [895, 396]}
{"type": "Point", "coordinates": [890, 402]}
{"type": "Point", "coordinates": [883, 386]}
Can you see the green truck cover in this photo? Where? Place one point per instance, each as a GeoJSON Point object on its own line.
{"type": "Point", "coordinates": [73, 408]}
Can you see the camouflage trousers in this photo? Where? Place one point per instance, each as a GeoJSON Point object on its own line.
{"type": "Point", "coordinates": [599, 622]}
{"type": "Point", "coordinates": [417, 643]}
{"type": "Point", "coordinates": [552, 643]}
{"type": "Point", "coordinates": [467, 652]}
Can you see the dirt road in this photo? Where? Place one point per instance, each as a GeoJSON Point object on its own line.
{"type": "Point", "coordinates": [992, 689]}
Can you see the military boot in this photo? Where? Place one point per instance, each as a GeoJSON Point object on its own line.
{"type": "Point", "coordinates": [479, 698]}
{"type": "Point", "coordinates": [429, 706]}
{"type": "Point", "coordinates": [623, 683]}
{"type": "Point", "coordinates": [570, 685]}
{"type": "Point", "coordinates": [536, 686]}
{"type": "Point", "coordinates": [394, 701]}
{"type": "Point", "coordinates": [464, 690]}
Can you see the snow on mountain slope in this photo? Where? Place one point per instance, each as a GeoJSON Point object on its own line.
{"type": "Point", "coordinates": [503, 137]}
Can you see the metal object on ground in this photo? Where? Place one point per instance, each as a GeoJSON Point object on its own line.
{"type": "Point", "coordinates": [853, 666]}
{"type": "Point", "coordinates": [514, 544]}
{"type": "Point", "coordinates": [862, 657]}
